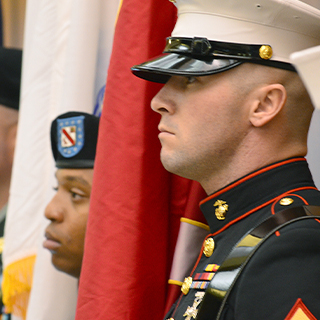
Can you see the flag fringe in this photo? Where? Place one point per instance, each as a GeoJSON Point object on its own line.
{"type": "Point", "coordinates": [195, 223]}
{"type": "Point", "coordinates": [16, 286]}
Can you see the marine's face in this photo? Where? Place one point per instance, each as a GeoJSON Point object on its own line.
{"type": "Point", "coordinates": [68, 212]}
{"type": "Point", "coordinates": [203, 120]}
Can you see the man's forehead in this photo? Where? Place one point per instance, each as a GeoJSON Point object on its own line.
{"type": "Point", "coordinates": [82, 176]}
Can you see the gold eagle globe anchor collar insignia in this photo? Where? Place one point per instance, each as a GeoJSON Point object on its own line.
{"type": "Point", "coordinates": [221, 209]}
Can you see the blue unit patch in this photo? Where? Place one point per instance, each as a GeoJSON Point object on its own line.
{"type": "Point", "coordinates": [70, 136]}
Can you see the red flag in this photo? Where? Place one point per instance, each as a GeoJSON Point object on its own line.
{"type": "Point", "coordinates": [136, 205]}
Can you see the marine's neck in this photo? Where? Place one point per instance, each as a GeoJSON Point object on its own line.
{"type": "Point", "coordinates": [237, 169]}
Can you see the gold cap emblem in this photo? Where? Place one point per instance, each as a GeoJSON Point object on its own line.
{"type": "Point", "coordinates": [222, 209]}
{"type": "Point", "coordinates": [208, 247]}
{"type": "Point", "coordinates": [286, 201]}
{"type": "Point", "coordinates": [186, 285]}
{"type": "Point", "coordinates": [265, 52]}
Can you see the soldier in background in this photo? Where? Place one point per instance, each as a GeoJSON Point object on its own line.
{"type": "Point", "coordinates": [10, 79]}
{"type": "Point", "coordinates": [73, 141]}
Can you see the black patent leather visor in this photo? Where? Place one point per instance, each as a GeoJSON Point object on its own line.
{"type": "Point", "coordinates": [163, 67]}
{"type": "Point", "coordinates": [200, 57]}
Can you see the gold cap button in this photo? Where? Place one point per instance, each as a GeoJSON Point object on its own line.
{"type": "Point", "coordinates": [265, 52]}
{"type": "Point", "coordinates": [286, 201]}
{"type": "Point", "coordinates": [186, 285]}
{"type": "Point", "coordinates": [222, 209]}
{"type": "Point", "coordinates": [208, 247]}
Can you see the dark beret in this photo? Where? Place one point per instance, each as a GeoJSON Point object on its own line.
{"type": "Point", "coordinates": [74, 138]}
{"type": "Point", "coordinates": [10, 77]}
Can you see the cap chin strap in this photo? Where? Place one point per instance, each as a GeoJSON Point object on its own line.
{"type": "Point", "coordinates": [204, 49]}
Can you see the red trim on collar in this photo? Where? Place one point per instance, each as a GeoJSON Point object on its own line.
{"type": "Point", "coordinates": [255, 209]}
{"type": "Point", "coordinates": [300, 312]}
{"type": "Point", "coordinates": [289, 193]}
{"type": "Point", "coordinates": [250, 176]}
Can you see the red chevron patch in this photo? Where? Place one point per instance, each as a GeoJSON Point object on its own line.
{"type": "Point", "coordinates": [300, 312]}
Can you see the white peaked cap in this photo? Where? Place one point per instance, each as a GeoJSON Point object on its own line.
{"type": "Point", "coordinates": [307, 63]}
{"type": "Point", "coordinates": [259, 31]}
{"type": "Point", "coordinates": [286, 25]}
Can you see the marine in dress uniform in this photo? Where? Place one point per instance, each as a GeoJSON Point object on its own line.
{"type": "Point", "coordinates": [283, 270]}
{"type": "Point", "coordinates": [261, 258]}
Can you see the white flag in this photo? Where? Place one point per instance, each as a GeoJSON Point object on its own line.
{"type": "Point", "coordinates": [66, 50]}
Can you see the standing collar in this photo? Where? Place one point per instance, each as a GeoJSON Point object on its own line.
{"type": "Point", "coordinates": [254, 191]}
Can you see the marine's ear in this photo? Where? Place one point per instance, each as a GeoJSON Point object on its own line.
{"type": "Point", "coordinates": [269, 101]}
